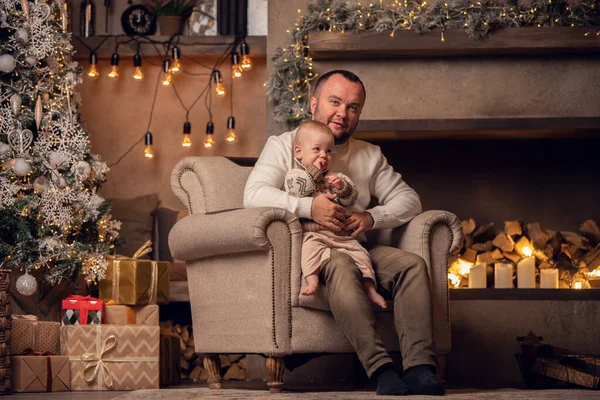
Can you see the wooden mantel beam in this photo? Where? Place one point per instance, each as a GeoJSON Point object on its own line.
{"type": "Point", "coordinates": [405, 44]}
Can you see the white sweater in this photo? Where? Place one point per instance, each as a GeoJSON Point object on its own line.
{"type": "Point", "coordinates": [361, 161]}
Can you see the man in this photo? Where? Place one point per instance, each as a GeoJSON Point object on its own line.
{"type": "Point", "coordinates": [338, 100]}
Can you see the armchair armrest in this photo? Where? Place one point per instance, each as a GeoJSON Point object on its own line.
{"type": "Point", "coordinates": [228, 232]}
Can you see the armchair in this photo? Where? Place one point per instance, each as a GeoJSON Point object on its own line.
{"type": "Point", "coordinates": [244, 272]}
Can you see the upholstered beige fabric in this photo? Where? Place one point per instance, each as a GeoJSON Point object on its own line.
{"type": "Point", "coordinates": [244, 270]}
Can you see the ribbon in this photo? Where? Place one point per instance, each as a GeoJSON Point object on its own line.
{"type": "Point", "coordinates": [34, 323]}
{"type": "Point", "coordinates": [30, 352]}
{"type": "Point", "coordinates": [84, 303]}
{"type": "Point", "coordinates": [98, 363]}
{"type": "Point", "coordinates": [142, 251]}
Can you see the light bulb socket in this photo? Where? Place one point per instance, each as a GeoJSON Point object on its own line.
{"type": "Point", "coordinates": [148, 139]}
{"type": "Point", "coordinates": [137, 60]}
{"type": "Point", "coordinates": [244, 48]}
{"type": "Point", "coordinates": [166, 65]}
{"type": "Point", "coordinates": [187, 128]}
{"type": "Point", "coordinates": [230, 123]}
{"type": "Point", "coordinates": [93, 58]}
{"type": "Point", "coordinates": [210, 128]}
{"type": "Point", "coordinates": [176, 53]}
{"type": "Point", "coordinates": [217, 76]}
{"type": "Point", "coordinates": [114, 59]}
{"type": "Point", "coordinates": [235, 58]}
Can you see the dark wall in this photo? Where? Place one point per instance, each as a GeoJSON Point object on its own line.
{"type": "Point", "coordinates": [553, 181]}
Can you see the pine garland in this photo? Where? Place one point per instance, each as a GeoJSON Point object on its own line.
{"type": "Point", "coordinates": [288, 85]}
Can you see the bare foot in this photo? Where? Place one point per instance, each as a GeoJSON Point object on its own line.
{"type": "Point", "coordinates": [313, 283]}
{"type": "Point", "coordinates": [309, 290]}
{"type": "Point", "coordinates": [376, 298]}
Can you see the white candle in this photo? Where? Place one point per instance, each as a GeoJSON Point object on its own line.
{"type": "Point", "coordinates": [477, 276]}
{"type": "Point", "coordinates": [526, 273]}
{"type": "Point", "coordinates": [503, 274]}
{"type": "Point", "coordinates": [549, 278]}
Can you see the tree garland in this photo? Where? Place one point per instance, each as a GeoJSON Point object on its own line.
{"type": "Point", "coordinates": [288, 85]}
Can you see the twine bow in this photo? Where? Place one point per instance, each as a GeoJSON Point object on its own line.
{"type": "Point", "coordinates": [34, 319]}
{"type": "Point", "coordinates": [142, 251]}
{"type": "Point", "coordinates": [98, 364]}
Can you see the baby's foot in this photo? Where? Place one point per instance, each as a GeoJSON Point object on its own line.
{"type": "Point", "coordinates": [376, 298]}
{"type": "Point", "coordinates": [310, 289]}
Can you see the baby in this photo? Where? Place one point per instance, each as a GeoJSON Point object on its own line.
{"type": "Point", "coordinates": [313, 151]}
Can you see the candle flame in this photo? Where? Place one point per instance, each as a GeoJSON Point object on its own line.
{"type": "Point", "coordinates": [595, 273]}
{"type": "Point", "coordinates": [527, 251]}
{"type": "Point", "coordinates": [454, 279]}
{"type": "Point", "coordinates": [577, 285]}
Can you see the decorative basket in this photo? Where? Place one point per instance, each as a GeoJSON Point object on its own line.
{"type": "Point", "coordinates": [5, 327]}
{"type": "Point", "coordinates": [561, 371]}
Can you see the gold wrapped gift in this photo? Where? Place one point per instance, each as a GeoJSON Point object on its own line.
{"type": "Point", "coordinates": [131, 281]}
{"type": "Point", "coordinates": [117, 314]}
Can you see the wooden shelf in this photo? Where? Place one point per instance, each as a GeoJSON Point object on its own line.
{"type": "Point", "coordinates": [479, 128]}
{"type": "Point", "coordinates": [190, 45]}
{"type": "Point", "coordinates": [508, 41]}
{"type": "Point", "coordinates": [525, 294]}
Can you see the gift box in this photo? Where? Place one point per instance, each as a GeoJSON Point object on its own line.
{"type": "Point", "coordinates": [131, 315]}
{"type": "Point", "coordinates": [170, 365]}
{"type": "Point", "coordinates": [132, 281]}
{"type": "Point", "coordinates": [112, 357]}
{"type": "Point", "coordinates": [28, 332]}
{"type": "Point", "coordinates": [41, 373]}
{"type": "Point", "coordinates": [82, 310]}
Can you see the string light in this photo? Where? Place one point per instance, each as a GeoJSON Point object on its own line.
{"type": "Point", "coordinates": [219, 89]}
{"type": "Point", "coordinates": [114, 69]}
{"type": "Point", "coordinates": [236, 68]}
{"type": "Point", "coordinates": [137, 63]}
{"type": "Point", "coordinates": [93, 71]}
{"type": "Point", "coordinates": [231, 136]}
{"type": "Point", "coordinates": [148, 148]}
{"type": "Point", "coordinates": [246, 61]}
{"type": "Point", "coordinates": [168, 78]}
{"type": "Point", "coordinates": [187, 130]}
{"type": "Point", "coordinates": [209, 141]}
{"type": "Point", "coordinates": [176, 67]}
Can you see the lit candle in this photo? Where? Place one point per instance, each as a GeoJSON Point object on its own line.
{"type": "Point", "coordinates": [526, 273]}
{"type": "Point", "coordinates": [549, 278]}
{"type": "Point", "coordinates": [503, 274]}
{"type": "Point", "coordinates": [477, 276]}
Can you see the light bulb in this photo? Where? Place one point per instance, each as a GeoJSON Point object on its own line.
{"type": "Point", "coordinates": [137, 63]}
{"type": "Point", "coordinates": [114, 72]}
{"type": "Point", "coordinates": [137, 74]}
{"type": "Point", "coordinates": [209, 141]}
{"type": "Point", "coordinates": [231, 136]}
{"type": "Point", "coordinates": [220, 89]}
{"type": "Point", "coordinates": [167, 70]}
{"type": "Point", "coordinates": [148, 149]}
{"type": "Point", "coordinates": [187, 129]}
{"type": "Point", "coordinates": [236, 70]}
{"type": "Point", "coordinates": [176, 67]}
{"type": "Point", "coordinates": [246, 63]}
{"type": "Point", "coordinates": [93, 72]}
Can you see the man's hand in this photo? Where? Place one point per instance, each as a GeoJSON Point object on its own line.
{"type": "Point", "coordinates": [327, 213]}
{"type": "Point", "coordinates": [359, 222]}
{"type": "Point", "coordinates": [320, 163]}
{"type": "Point", "coordinates": [335, 181]}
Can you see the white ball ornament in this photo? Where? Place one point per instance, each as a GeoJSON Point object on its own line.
{"type": "Point", "coordinates": [57, 160]}
{"type": "Point", "coordinates": [22, 36]}
{"type": "Point", "coordinates": [31, 61]}
{"type": "Point", "coordinates": [15, 103]}
{"type": "Point", "coordinates": [7, 63]}
{"type": "Point", "coordinates": [59, 180]}
{"type": "Point", "coordinates": [26, 284]}
{"type": "Point", "coordinates": [41, 184]}
{"type": "Point", "coordinates": [21, 167]}
{"type": "Point", "coordinates": [4, 149]}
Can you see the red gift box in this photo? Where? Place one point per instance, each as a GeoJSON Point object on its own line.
{"type": "Point", "coordinates": [82, 310]}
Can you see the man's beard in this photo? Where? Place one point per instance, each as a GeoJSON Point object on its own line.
{"type": "Point", "coordinates": [343, 136]}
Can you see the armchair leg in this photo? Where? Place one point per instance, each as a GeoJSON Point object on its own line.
{"type": "Point", "coordinates": [275, 368]}
{"type": "Point", "coordinates": [441, 367]}
{"type": "Point", "coordinates": [212, 365]}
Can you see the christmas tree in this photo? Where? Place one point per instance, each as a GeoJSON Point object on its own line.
{"type": "Point", "coordinates": [51, 217]}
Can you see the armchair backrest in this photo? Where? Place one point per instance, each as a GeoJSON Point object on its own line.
{"type": "Point", "coordinates": [209, 184]}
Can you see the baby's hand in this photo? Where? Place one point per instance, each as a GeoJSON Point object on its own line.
{"type": "Point", "coordinates": [320, 163]}
{"type": "Point", "coordinates": [335, 181]}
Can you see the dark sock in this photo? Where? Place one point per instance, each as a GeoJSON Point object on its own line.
{"type": "Point", "coordinates": [388, 381]}
{"type": "Point", "coordinates": [422, 379]}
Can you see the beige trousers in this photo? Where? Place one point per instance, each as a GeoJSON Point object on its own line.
{"type": "Point", "coordinates": [401, 277]}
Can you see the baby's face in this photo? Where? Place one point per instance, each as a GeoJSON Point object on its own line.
{"type": "Point", "coordinates": [315, 144]}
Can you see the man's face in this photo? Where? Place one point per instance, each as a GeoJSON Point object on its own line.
{"type": "Point", "coordinates": [338, 104]}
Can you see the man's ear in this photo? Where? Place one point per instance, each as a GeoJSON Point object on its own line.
{"type": "Point", "coordinates": [313, 105]}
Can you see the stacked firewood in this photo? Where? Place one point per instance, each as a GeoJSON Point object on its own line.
{"type": "Point", "coordinates": [233, 366]}
{"type": "Point", "coordinates": [576, 255]}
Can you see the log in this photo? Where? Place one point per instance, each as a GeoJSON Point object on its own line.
{"type": "Point", "coordinates": [242, 363]}
{"type": "Point", "coordinates": [484, 232]}
{"type": "Point", "coordinates": [545, 265]}
{"type": "Point", "coordinates": [185, 333]}
{"type": "Point", "coordinates": [486, 257]}
{"type": "Point", "coordinates": [189, 353]}
{"type": "Point", "coordinates": [234, 372]}
{"type": "Point", "coordinates": [482, 247]}
{"type": "Point", "coordinates": [196, 372]}
{"type": "Point", "coordinates": [592, 258]}
{"type": "Point", "coordinates": [512, 256]}
{"type": "Point", "coordinates": [497, 254]}
{"type": "Point", "coordinates": [234, 357]}
{"type": "Point", "coordinates": [513, 228]}
{"type": "Point", "coordinates": [468, 226]}
{"type": "Point", "coordinates": [469, 255]}
{"type": "Point", "coordinates": [224, 361]}
{"type": "Point", "coordinates": [591, 231]}
{"type": "Point", "coordinates": [536, 235]}
{"type": "Point", "coordinates": [576, 240]}
{"type": "Point", "coordinates": [503, 243]}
